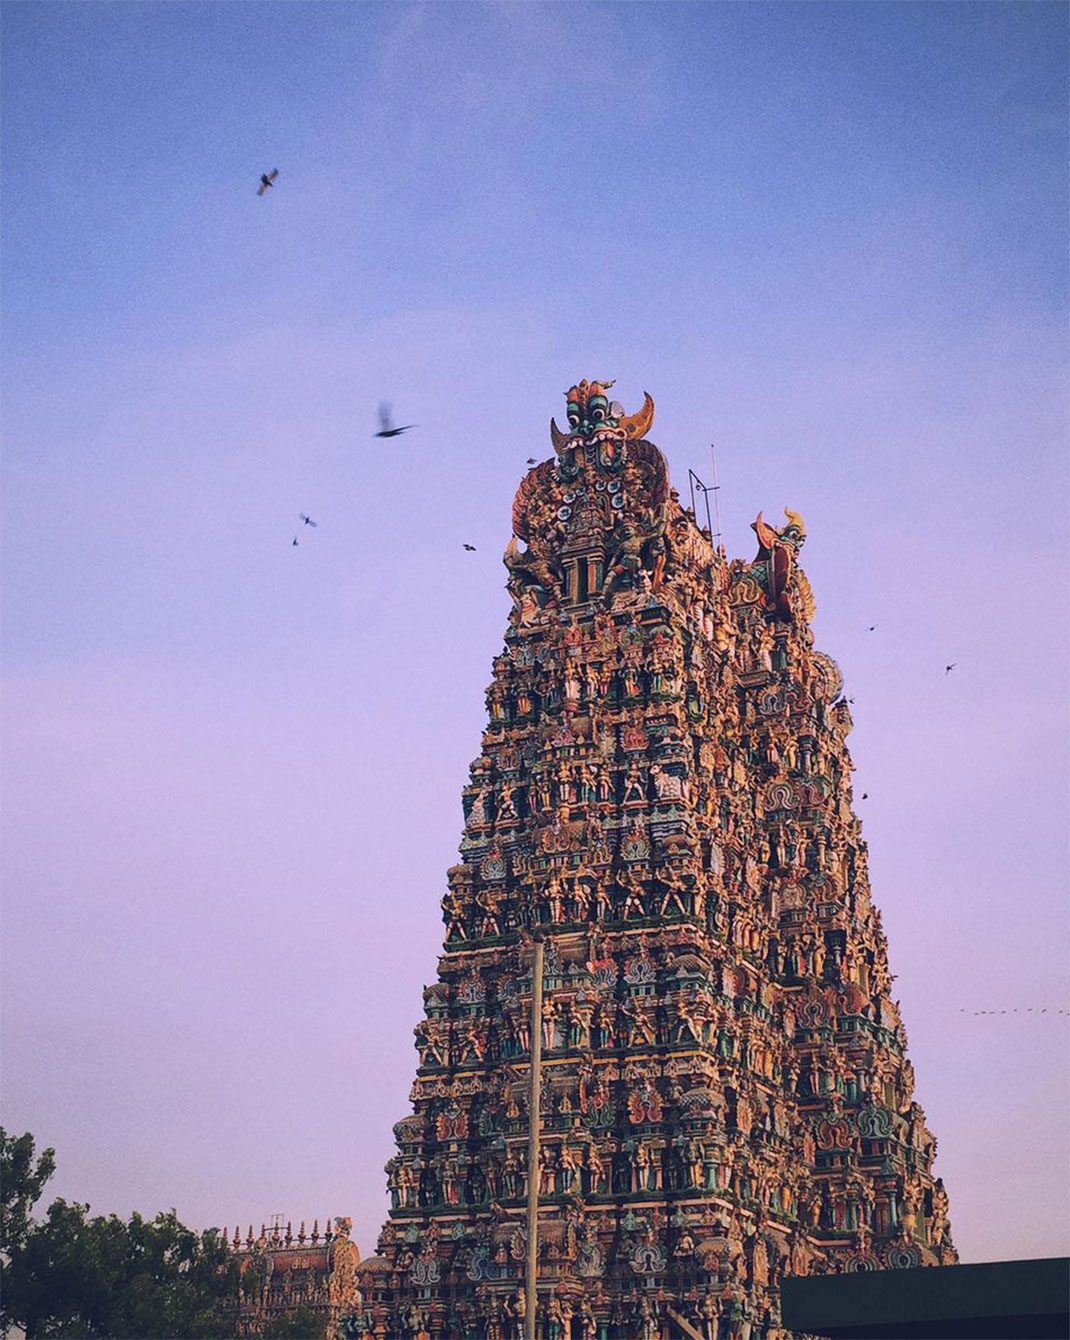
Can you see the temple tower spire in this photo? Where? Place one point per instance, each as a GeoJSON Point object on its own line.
{"type": "Point", "coordinates": [663, 797]}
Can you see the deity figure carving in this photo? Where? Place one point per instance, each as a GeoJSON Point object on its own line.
{"type": "Point", "coordinates": [531, 569]}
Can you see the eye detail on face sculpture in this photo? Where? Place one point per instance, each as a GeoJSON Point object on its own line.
{"type": "Point", "coordinates": [597, 408]}
{"type": "Point", "coordinates": [573, 414]}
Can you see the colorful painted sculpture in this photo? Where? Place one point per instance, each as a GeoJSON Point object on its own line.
{"type": "Point", "coordinates": [664, 790]}
{"type": "Point", "coordinates": [283, 1273]}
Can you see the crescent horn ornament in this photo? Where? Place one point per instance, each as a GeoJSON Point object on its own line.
{"type": "Point", "coordinates": [767, 536]}
{"type": "Point", "coordinates": [795, 519]}
{"type": "Point", "coordinates": [559, 439]}
{"type": "Point", "coordinates": [638, 424]}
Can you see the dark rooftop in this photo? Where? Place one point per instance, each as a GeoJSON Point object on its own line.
{"type": "Point", "coordinates": [996, 1300]}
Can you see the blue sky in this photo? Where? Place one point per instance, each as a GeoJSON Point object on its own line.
{"type": "Point", "coordinates": [830, 237]}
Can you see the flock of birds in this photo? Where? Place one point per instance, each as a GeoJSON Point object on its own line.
{"type": "Point", "coordinates": [387, 427]}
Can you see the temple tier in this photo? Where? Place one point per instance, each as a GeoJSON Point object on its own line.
{"type": "Point", "coordinates": [664, 791]}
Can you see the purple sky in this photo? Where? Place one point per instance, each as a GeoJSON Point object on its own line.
{"type": "Point", "coordinates": [832, 238]}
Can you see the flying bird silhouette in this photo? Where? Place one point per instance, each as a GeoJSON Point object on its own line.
{"type": "Point", "coordinates": [386, 422]}
{"type": "Point", "coordinates": [865, 795]}
{"type": "Point", "coordinates": [871, 629]}
{"type": "Point", "coordinates": [470, 547]}
{"type": "Point", "coordinates": [267, 179]}
{"type": "Point", "coordinates": [307, 519]}
{"type": "Point", "coordinates": [294, 540]}
{"type": "Point", "coordinates": [948, 668]}
{"type": "Point", "coordinates": [532, 461]}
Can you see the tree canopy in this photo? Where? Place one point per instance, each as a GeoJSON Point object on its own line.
{"type": "Point", "coordinates": [21, 1185]}
{"type": "Point", "coordinates": [72, 1275]}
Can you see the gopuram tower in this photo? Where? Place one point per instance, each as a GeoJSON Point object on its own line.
{"type": "Point", "coordinates": [663, 802]}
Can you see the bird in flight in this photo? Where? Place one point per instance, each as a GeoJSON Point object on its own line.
{"type": "Point", "coordinates": [532, 461]}
{"type": "Point", "coordinates": [871, 629]}
{"type": "Point", "coordinates": [865, 795]}
{"type": "Point", "coordinates": [307, 520]}
{"type": "Point", "coordinates": [267, 179]}
{"type": "Point", "coordinates": [386, 422]}
{"type": "Point", "coordinates": [470, 547]}
{"type": "Point", "coordinates": [948, 668]}
{"type": "Point", "coordinates": [294, 540]}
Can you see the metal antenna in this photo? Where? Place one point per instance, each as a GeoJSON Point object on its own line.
{"type": "Point", "coordinates": [716, 488]}
{"type": "Point", "coordinates": [696, 483]}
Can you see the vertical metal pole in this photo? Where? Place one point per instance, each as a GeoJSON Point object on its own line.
{"type": "Point", "coordinates": [706, 496]}
{"type": "Point", "coordinates": [716, 494]}
{"type": "Point", "coordinates": [534, 1131]}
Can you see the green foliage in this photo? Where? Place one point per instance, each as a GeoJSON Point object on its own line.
{"type": "Point", "coordinates": [73, 1275]}
{"type": "Point", "coordinates": [21, 1185]}
{"type": "Point", "coordinates": [303, 1324]}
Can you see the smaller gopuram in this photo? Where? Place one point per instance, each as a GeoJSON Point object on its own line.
{"type": "Point", "coordinates": [661, 815]}
{"type": "Point", "coordinates": [282, 1272]}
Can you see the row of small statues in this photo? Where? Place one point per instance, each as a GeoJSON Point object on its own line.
{"type": "Point", "coordinates": [594, 1169]}
{"type": "Point", "coordinates": [636, 1022]}
{"type": "Point", "coordinates": [583, 784]}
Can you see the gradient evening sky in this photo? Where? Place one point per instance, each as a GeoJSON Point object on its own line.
{"type": "Point", "coordinates": [830, 237]}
